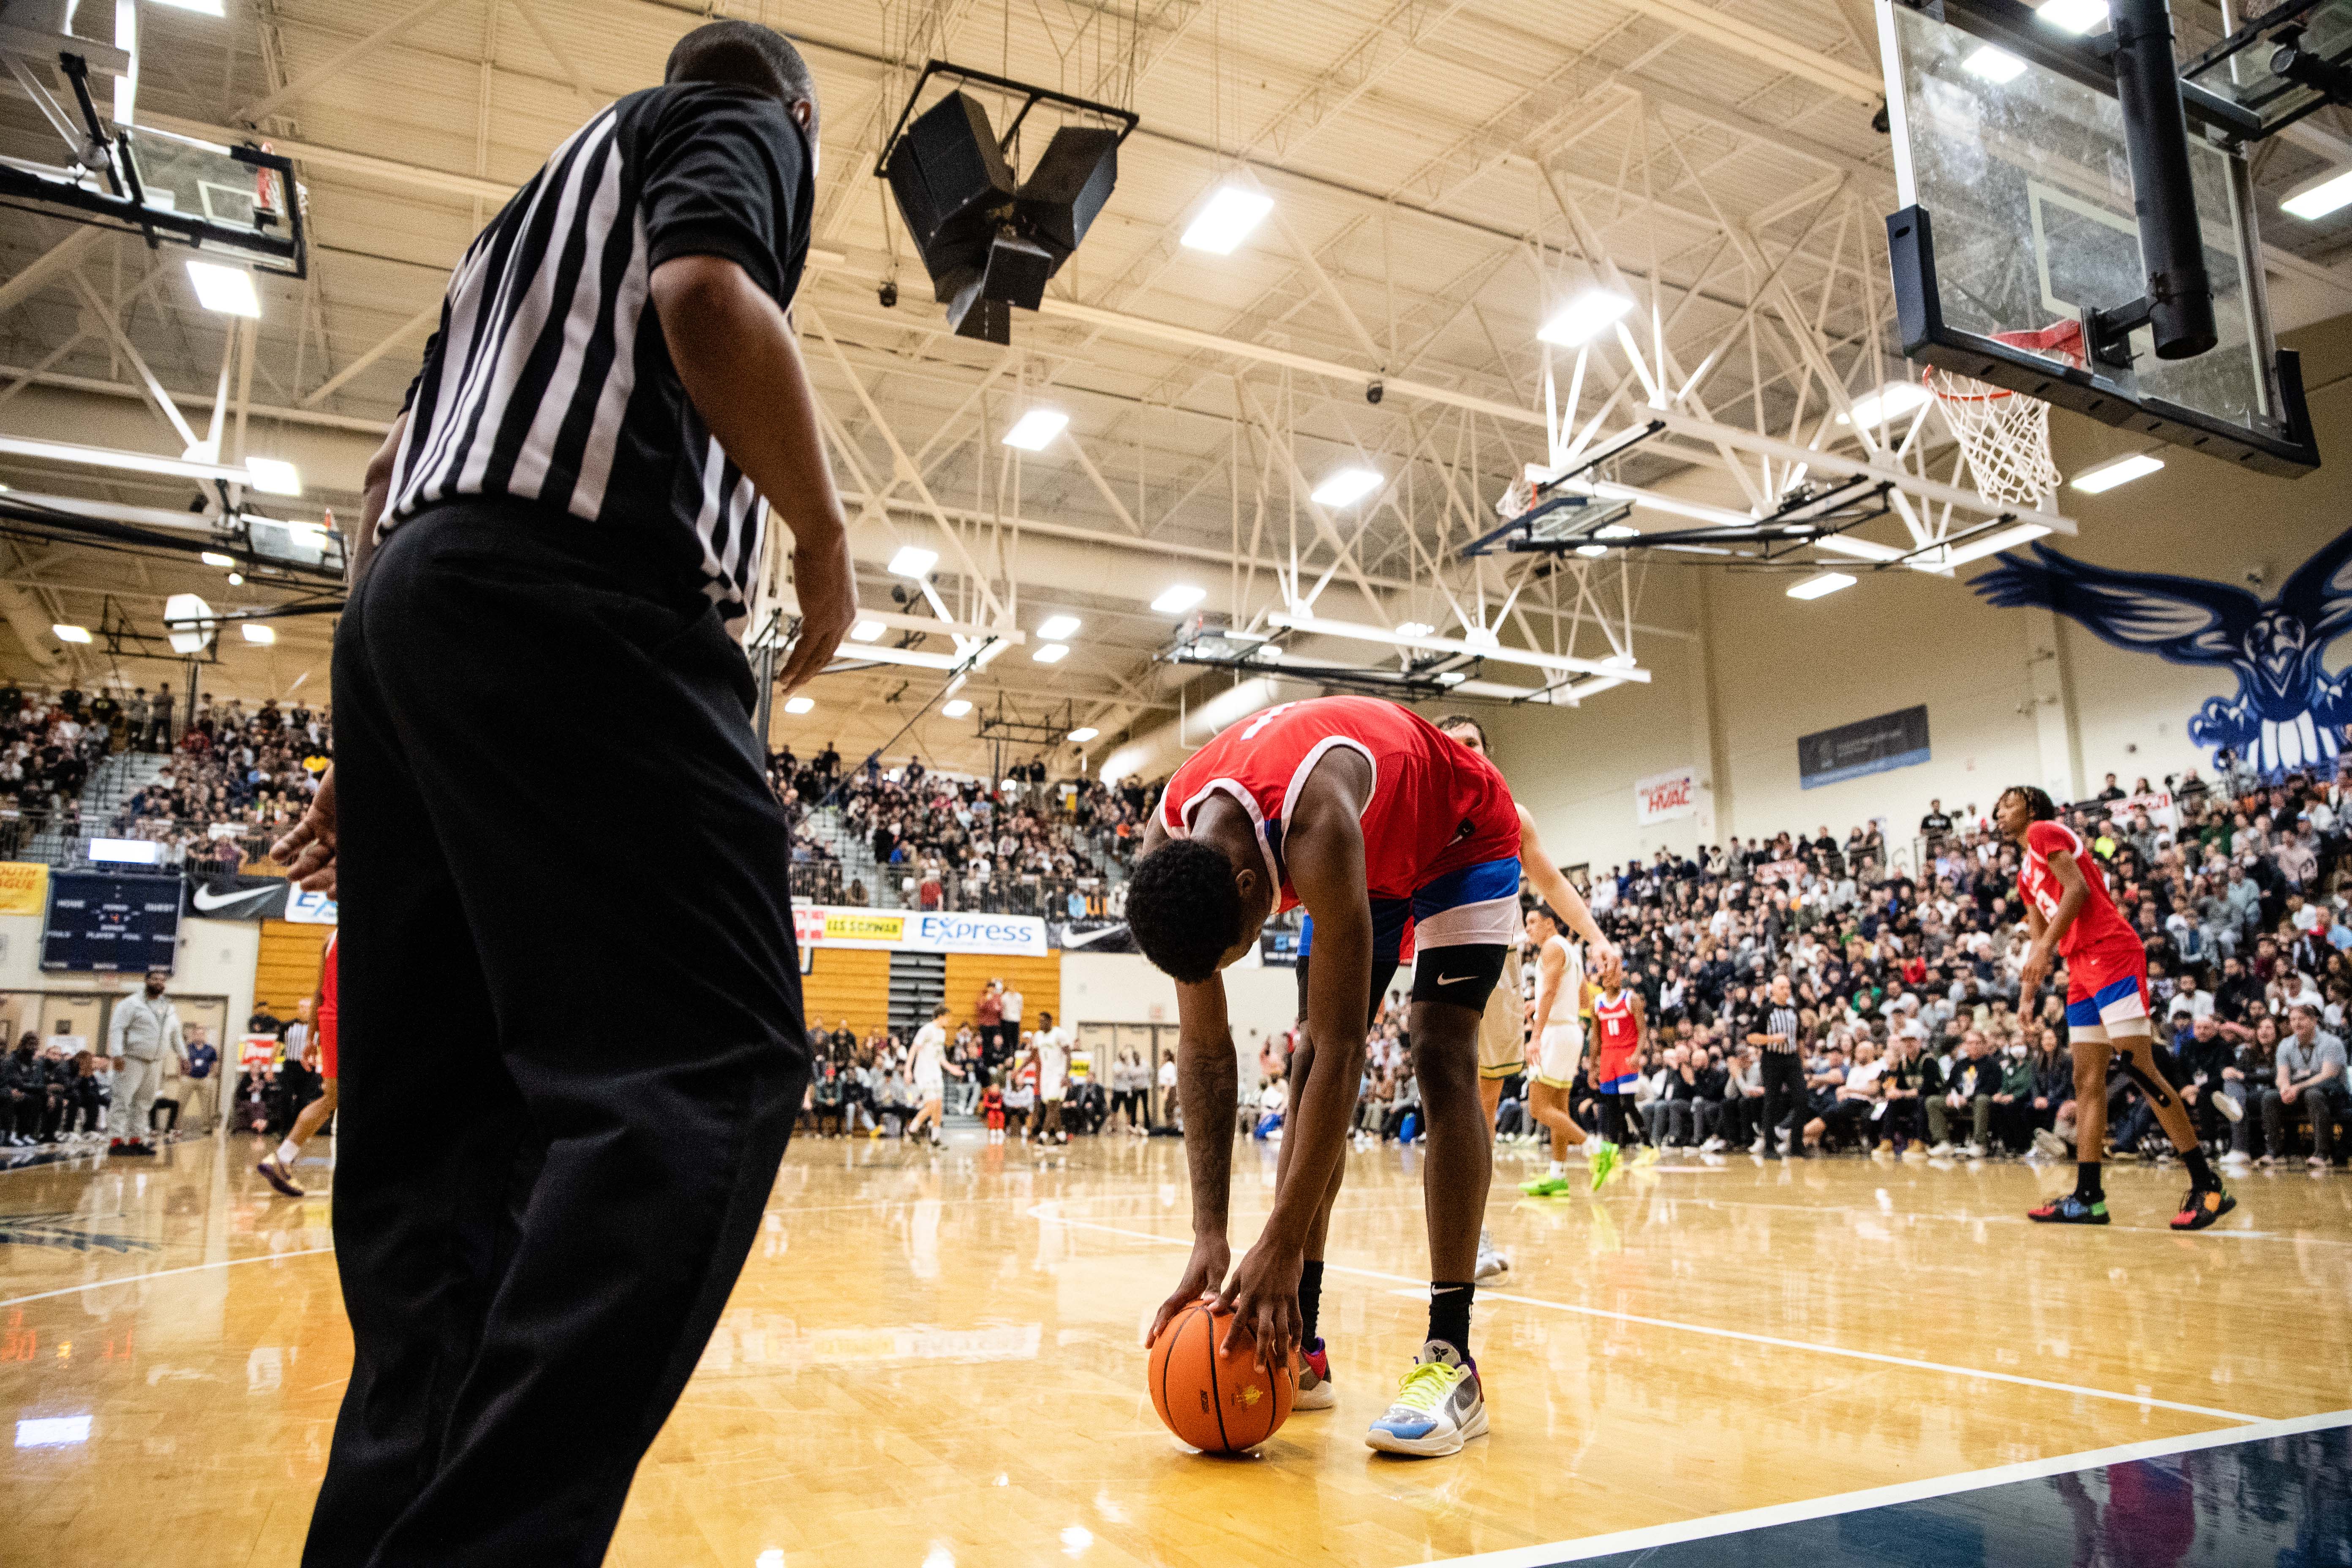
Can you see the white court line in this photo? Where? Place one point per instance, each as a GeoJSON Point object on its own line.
{"type": "Point", "coordinates": [163, 1274]}
{"type": "Point", "coordinates": [1721, 1524]}
{"type": "Point", "coordinates": [1909, 1363]}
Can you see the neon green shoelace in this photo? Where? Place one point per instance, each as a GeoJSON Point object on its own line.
{"type": "Point", "coordinates": [1425, 1388]}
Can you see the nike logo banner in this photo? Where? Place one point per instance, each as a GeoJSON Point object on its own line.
{"type": "Point", "coordinates": [239, 898]}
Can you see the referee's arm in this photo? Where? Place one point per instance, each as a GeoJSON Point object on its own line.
{"type": "Point", "coordinates": [739, 362]}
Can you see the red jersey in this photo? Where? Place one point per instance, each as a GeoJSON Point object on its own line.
{"type": "Point", "coordinates": [330, 1009]}
{"type": "Point", "coordinates": [1613, 1021]}
{"type": "Point", "coordinates": [1437, 807]}
{"type": "Point", "coordinates": [2097, 923]}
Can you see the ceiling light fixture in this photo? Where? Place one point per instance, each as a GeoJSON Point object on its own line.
{"type": "Point", "coordinates": [273, 476]}
{"type": "Point", "coordinates": [1892, 401]}
{"type": "Point", "coordinates": [1034, 431]}
{"type": "Point", "coordinates": [1052, 653]}
{"type": "Point", "coordinates": [1227, 220]}
{"type": "Point", "coordinates": [1179, 599]}
{"type": "Point", "coordinates": [214, 558]}
{"type": "Point", "coordinates": [1586, 317]}
{"type": "Point", "coordinates": [1057, 628]}
{"type": "Point", "coordinates": [1815, 587]}
{"type": "Point", "coordinates": [2122, 471]}
{"type": "Point", "coordinates": [1994, 65]}
{"type": "Point", "coordinates": [226, 290]}
{"type": "Point", "coordinates": [800, 704]}
{"type": "Point", "coordinates": [866, 631]}
{"type": "Point", "coordinates": [2075, 16]}
{"type": "Point", "coordinates": [1414, 629]}
{"type": "Point", "coordinates": [955, 709]}
{"type": "Point", "coordinates": [913, 561]}
{"type": "Point", "coordinates": [1084, 734]}
{"type": "Point", "coordinates": [65, 633]}
{"type": "Point", "coordinates": [1346, 486]}
{"type": "Point", "coordinates": [255, 632]}
{"type": "Point", "coordinates": [2315, 201]}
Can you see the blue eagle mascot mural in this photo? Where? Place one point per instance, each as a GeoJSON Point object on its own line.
{"type": "Point", "coordinates": [2288, 709]}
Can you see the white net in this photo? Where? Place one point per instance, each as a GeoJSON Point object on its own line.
{"type": "Point", "coordinates": [2004, 435]}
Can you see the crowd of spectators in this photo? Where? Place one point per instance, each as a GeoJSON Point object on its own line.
{"type": "Point", "coordinates": [1905, 984]}
{"type": "Point", "coordinates": [1025, 1085]}
{"type": "Point", "coordinates": [49, 742]}
{"type": "Point", "coordinates": [1024, 845]}
{"type": "Point", "coordinates": [233, 782]}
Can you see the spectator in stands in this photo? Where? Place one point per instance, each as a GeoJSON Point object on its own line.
{"type": "Point", "coordinates": [2309, 1083]}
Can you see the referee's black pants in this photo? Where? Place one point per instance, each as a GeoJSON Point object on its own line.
{"type": "Point", "coordinates": [572, 1040]}
{"type": "Point", "coordinates": [1783, 1074]}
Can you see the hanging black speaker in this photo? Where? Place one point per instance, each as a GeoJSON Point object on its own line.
{"type": "Point", "coordinates": [1069, 187]}
{"type": "Point", "coordinates": [950, 177]}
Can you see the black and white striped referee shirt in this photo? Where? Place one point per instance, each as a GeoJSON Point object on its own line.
{"type": "Point", "coordinates": [548, 380]}
{"type": "Point", "coordinates": [1783, 1021]}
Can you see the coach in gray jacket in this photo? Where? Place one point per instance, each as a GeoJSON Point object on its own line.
{"type": "Point", "coordinates": [145, 1029]}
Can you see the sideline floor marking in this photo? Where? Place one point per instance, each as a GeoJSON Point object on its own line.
{"type": "Point", "coordinates": [1721, 1524]}
{"type": "Point", "coordinates": [1040, 1212]}
{"type": "Point", "coordinates": [163, 1274]}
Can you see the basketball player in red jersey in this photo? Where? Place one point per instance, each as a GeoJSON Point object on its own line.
{"type": "Point", "coordinates": [2069, 911]}
{"type": "Point", "coordinates": [276, 1167]}
{"type": "Point", "coordinates": [1367, 816]}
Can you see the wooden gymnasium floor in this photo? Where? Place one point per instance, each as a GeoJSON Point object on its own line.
{"type": "Point", "coordinates": [934, 1361]}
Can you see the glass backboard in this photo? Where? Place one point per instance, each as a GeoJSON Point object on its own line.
{"type": "Point", "coordinates": [2026, 184]}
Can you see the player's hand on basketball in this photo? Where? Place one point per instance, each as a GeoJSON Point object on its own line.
{"type": "Point", "coordinates": [1263, 1296]}
{"type": "Point", "coordinates": [308, 852]}
{"type": "Point", "coordinates": [1204, 1272]}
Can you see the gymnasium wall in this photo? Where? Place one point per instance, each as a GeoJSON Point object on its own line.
{"type": "Point", "coordinates": [1772, 669]}
{"type": "Point", "coordinates": [1039, 980]}
{"type": "Point", "coordinates": [1123, 988]}
{"type": "Point", "coordinates": [217, 958]}
{"type": "Point", "coordinates": [292, 956]}
{"type": "Point", "coordinates": [847, 982]}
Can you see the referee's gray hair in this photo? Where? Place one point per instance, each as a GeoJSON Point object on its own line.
{"type": "Point", "coordinates": [743, 54]}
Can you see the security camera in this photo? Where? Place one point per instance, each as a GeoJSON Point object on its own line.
{"type": "Point", "coordinates": [1374, 393]}
{"type": "Point", "coordinates": [887, 293]}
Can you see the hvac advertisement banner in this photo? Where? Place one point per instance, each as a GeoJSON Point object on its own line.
{"type": "Point", "coordinates": [916, 931]}
{"type": "Point", "coordinates": [1866, 746]}
{"type": "Point", "coordinates": [1661, 797]}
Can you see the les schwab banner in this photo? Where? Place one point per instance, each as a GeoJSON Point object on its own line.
{"type": "Point", "coordinates": [1663, 798]}
{"type": "Point", "coordinates": [914, 931]}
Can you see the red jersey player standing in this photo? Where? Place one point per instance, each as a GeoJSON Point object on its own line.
{"type": "Point", "coordinates": [276, 1167]}
{"type": "Point", "coordinates": [1369, 816]}
{"type": "Point", "coordinates": [2069, 911]}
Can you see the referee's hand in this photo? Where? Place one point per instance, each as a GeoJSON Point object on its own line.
{"type": "Point", "coordinates": [828, 596]}
{"type": "Point", "coordinates": [308, 852]}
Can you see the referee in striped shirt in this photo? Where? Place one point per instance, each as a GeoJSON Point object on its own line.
{"type": "Point", "coordinates": [541, 1206]}
{"type": "Point", "coordinates": [1779, 1062]}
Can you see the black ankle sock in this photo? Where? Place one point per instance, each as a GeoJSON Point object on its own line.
{"type": "Point", "coordinates": [2086, 1182]}
{"type": "Point", "coordinates": [1310, 1300]}
{"type": "Point", "coordinates": [2200, 1172]}
{"type": "Point", "coordinates": [1449, 1313]}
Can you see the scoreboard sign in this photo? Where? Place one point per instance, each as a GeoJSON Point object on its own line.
{"type": "Point", "coordinates": [110, 925]}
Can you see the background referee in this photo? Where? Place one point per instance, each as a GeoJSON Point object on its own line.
{"type": "Point", "coordinates": [542, 646]}
{"type": "Point", "coordinates": [1780, 1064]}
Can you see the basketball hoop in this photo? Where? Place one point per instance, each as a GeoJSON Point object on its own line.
{"type": "Point", "coordinates": [2005, 435]}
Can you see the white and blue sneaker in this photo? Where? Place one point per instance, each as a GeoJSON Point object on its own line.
{"type": "Point", "coordinates": [1439, 1406]}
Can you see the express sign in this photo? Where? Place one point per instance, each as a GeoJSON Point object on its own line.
{"type": "Point", "coordinates": [917, 930]}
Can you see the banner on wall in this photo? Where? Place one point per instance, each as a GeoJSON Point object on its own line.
{"type": "Point", "coordinates": [235, 898]}
{"type": "Point", "coordinates": [2159, 806]}
{"type": "Point", "coordinates": [310, 908]}
{"type": "Point", "coordinates": [24, 888]}
{"type": "Point", "coordinates": [1661, 797]}
{"type": "Point", "coordinates": [917, 930]}
{"type": "Point", "coordinates": [1897, 739]}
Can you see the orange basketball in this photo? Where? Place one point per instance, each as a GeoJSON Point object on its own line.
{"type": "Point", "coordinates": [1218, 1403]}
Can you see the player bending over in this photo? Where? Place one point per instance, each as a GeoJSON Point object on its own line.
{"type": "Point", "coordinates": [1369, 817]}
{"type": "Point", "coordinates": [2069, 911]}
{"type": "Point", "coordinates": [1558, 1043]}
